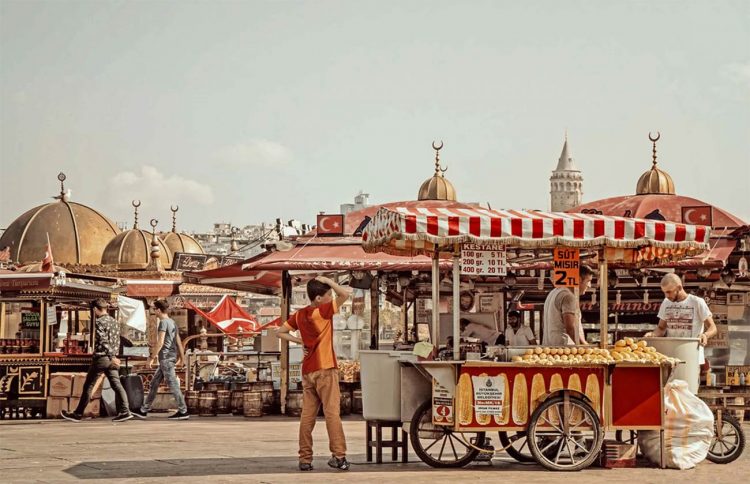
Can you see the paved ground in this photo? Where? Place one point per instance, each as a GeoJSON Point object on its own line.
{"type": "Point", "coordinates": [234, 449]}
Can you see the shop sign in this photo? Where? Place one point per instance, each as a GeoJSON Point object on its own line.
{"type": "Point", "coordinates": [483, 260]}
{"type": "Point", "coordinates": [566, 267]}
{"type": "Point", "coordinates": [184, 261]}
{"type": "Point", "coordinates": [151, 290]}
{"type": "Point", "coordinates": [30, 320]}
{"type": "Point", "coordinates": [721, 340]}
{"type": "Point", "coordinates": [51, 315]}
{"type": "Point", "coordinates": [442, 404]}
{"type": "Point", "coordinates": [24, 283]}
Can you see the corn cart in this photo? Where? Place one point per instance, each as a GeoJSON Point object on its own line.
{"type": "Point", "coordinates": [556, 415]}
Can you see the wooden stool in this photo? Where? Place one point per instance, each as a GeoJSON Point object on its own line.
{"type": "Point", "coordinates": [395, 443]}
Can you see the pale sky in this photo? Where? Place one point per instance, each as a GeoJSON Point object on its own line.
{"type": "Point", "coordinates": [247, 111]}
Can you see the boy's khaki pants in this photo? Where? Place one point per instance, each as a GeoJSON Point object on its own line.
{"type": "Point", "coordinates": [321, 387]}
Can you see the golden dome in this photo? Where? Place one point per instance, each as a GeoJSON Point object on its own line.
{"type": "Point", "coordinates": [179, 242]}
{"type": "Point", "coordinates": [77, 233]}
{"type": "Point", "coordinates": [437, 187]}
{"type": "Point", "coordinates": [655, 181]}
{"type": "Point", "coordinates": [131, 250]}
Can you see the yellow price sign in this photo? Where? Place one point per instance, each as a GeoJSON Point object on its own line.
{"type": "Point", "coordinates": [566, 267]}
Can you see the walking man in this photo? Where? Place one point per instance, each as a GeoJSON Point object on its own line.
{"type": "Point", "coordinates": [106, 345]}
{"type": "Point", "coordinates": [320, 374]}
{"type": "Point", "coordinates": [167, 347]}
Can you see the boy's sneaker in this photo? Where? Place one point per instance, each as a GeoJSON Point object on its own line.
{"type": "Point", "coordinates": [179, 416]}
{"type": "Point", "coordinates": [72, 416]}
{"type": "Point", "coordinates": [305, 466]}
{"type": "Point", "coordinates": [138, 413]}
{"type": "Point", "coordinates": [337, 463]}
{"type": "Point", "coordinates": [123, 417]}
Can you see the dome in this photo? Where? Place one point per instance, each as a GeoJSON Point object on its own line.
{"type": "Point", "coordinates": [78, 234]}
{"type": "Point", "coordinates": [131, 250]}
{"type": "Point", "coordinates": [437, 187]}
{"type": "Point", "coordinates": [655, 181]}
{"type": "Point", "coordinates": [179, 242]}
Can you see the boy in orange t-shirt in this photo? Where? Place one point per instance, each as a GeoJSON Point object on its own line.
{"type": "Point", "coordinates": [320, 374]}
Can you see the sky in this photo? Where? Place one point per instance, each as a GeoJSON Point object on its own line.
{"type": "Point", "coordinates": [243, 112]}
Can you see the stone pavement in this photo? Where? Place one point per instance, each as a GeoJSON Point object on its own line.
{"type": "Point", "coordinates": [235, 449]}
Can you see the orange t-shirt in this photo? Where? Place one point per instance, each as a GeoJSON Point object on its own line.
{"type": "Point", "coordinates": [315, 325]}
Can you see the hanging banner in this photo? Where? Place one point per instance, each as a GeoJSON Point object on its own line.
{"type": "Point", "coordinates": [566, 267]}
{"type": "Point", "coordinates": [483, 260]}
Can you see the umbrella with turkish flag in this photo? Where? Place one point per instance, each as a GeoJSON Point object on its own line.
{"type": "Point", "coordinates": [48, 261]}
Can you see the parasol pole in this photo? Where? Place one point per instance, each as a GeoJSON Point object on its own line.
{"type": "Point", "coordinates": [603, 300]}
{"type": "Point", "coordinates": [435, 336]}
{"type": "Point", "coordinates": [456, 304]}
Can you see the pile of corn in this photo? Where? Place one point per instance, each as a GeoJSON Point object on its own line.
{"type": "Point", "coordinates": [625, 350]}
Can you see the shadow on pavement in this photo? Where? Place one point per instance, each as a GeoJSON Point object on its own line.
{"type": "Point", "coordinates": [120, 469]}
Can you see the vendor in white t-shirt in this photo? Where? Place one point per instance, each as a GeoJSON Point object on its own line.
{"type": "Point", "coordinates": [517, 334]}
{"type": "Point", "coordinates": [489, 336]}
{"type": "Point", "coordinates": [683, 315]}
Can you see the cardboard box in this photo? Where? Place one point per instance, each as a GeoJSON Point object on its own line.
{"type": "Point", "coordinates": [78, 380]}
{"type": "Point", "coordinates": [55, 405]}
{"type": "Point", "coordinates": [61, 384]}
{"type": "Point", "coordinates": [92, 409]}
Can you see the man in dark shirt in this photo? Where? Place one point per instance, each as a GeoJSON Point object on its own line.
{"type": "Point", "coordinates": [106, 345]}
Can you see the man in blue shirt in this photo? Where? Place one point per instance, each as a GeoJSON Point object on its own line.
{"type": "Point", "coordinates": [170, 353]}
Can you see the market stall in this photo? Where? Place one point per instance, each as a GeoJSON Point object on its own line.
{"type": "Point", "coordinates": [464, 399]}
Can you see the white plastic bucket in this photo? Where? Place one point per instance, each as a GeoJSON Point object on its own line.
{"type": "Point", "coordinates": [685, 349]}
{"type": "Point", "coordinates": [381, 383]}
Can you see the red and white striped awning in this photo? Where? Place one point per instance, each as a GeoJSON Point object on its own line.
{"type": "Point", "coordinates": [416, 227]}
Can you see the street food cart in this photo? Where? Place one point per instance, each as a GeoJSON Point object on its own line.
{"type": "Point", "coordinates": [561, 409]}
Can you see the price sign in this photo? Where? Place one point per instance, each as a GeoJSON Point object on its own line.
{"type": "Point", "coordinates": [566, 264]}
{"type": "Point", "coordinates": [483, 260]}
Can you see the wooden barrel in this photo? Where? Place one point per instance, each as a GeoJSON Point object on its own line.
{"type": "Point", "coordinates": [266, 390]}
{"type": "Point", "coordinates": [294, 403]}
{"type": "Point", "coordinates": [252, 405]}
{"type": "Point", "coordinates": [241, 385]}
{"type": "Point", "coordinates": [236, 402]}
{"type": "Point", "coordinates": [357, 402]}
{"type": "Point", "coordinates": [207, 404]}
{"type": "Point", "coordinates": [192, 399]}
{"type": "Point", "coordinates": [223, 398]}
{"type": "Point", "coordinates": [212, 387]}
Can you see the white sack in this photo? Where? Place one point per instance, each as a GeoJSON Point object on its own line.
{"type": "Point", "coordinates": [132, 313]}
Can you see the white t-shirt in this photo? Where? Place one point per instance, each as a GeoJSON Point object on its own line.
{"type": "Point", "coordinates": [485, 333]}
{"type": "Point", "coordinates": [685, 318]}
{"type": "Point", "coordinates": [522, 337]}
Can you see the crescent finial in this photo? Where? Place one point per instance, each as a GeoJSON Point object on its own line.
{"type": "Point", "coordinates": [174, 208]}
{"type": "Point", "coordinates": [653, 149]}
{"type": "Point", "coordinates": [437, 148]}
{"type": "Point", "coordinates": [174, 217]}
{"type": "Point", "coordinates": [136, 204]}
{"type": "Point", "coordinates": [654, 140]}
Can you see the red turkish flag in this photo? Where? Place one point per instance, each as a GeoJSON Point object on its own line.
{"type": "Point", "coordinates": [330, 224]}
{"type": "Point", "coordinates": [48, 260]}
{"type": "Point", "coordinates": [699, 215]}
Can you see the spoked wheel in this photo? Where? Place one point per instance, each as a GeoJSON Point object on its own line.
{"type": "Point", "coordinates": [517, 446]}
{"type": "Point", "coordinates": [565, 436]}
{"type": "Point", "coordinates": [728, 442]}
{"type": "Point", "coordinates": [440, 446]}
{"type": "Point", "coordinates": [630, 438]}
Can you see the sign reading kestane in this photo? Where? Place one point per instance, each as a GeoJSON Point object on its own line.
{"type": "Point", "coordinates": [483, 260]}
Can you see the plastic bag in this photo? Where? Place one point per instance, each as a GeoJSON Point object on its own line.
{"type": "Point", "coordinates": [688, 429]}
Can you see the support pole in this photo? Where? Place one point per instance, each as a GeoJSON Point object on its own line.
{"type": "Point", "coordinates": [603, 301]}
{"type": "Point", "coordinates": [374, 314]}
{"type": "Point", "coordinates": [286, 299]}
{"type": "Point", "coordinates": [456, 306]}
{"type": "Point", "coordinates": [435, 330]}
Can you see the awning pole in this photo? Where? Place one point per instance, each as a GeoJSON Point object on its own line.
{"type": "Point", "coordinates": [603, 301]}
{"type": "Point", "coordinates": [286, 299]}
{"type": "Point", "coordinates": [456, 305]}
{"type": "Point", "coordinates": [436, 299]}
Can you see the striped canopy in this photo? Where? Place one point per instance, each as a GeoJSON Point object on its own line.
{"type": "Point", "coordinates": [416, 227]}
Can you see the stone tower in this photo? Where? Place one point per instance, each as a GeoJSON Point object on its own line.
{"type": "Point", "coordinates": [566, 182]}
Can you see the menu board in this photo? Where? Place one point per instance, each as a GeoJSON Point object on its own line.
{"type": "Point", "coordinates": [483, 260]}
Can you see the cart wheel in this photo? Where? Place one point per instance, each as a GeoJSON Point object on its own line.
{"type": "Point", "coordinates": [440, 446]}
{"type": "Point", "coordinates": [566, 444]}
{"type": "Point", "coordinates": [519, 449]}
{"type": "Point", "coordinates": [730, 445]}
{"type": "Point", "coordinates": [631, 438]}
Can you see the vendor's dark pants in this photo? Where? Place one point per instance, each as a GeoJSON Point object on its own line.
{"type": "Point", "coordinates": [99, 365]}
